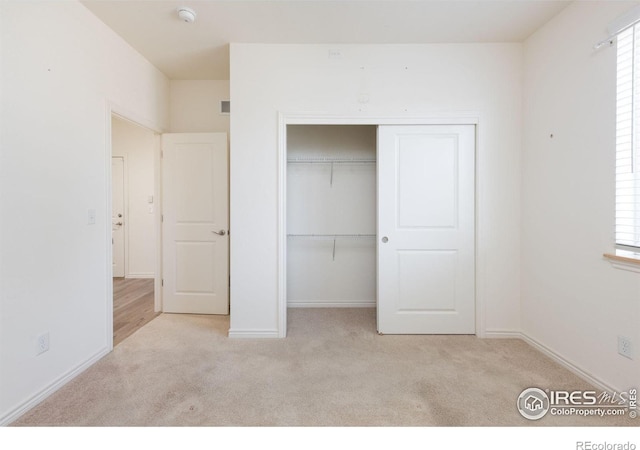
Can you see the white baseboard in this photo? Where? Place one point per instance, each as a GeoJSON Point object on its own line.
{"type": "Point", "coordinates": [53, 387]}
{"type": "Point", "coordinates": [567, 364]}
{"type": "Point", "coordinates": [251, 334]}
{"type": "Point", "coordinates": [555, 356]}
{"type": "Point", "coordinates": [502, 334]}
{"type": "Point", "coordinates": [331, 305]}
{"type": "Point", "coordinates": [140, 275]}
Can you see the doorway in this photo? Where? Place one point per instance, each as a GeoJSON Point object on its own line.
{"type": "Point", "coordinates": [133, 225]}
{"type": "Point", "coordinates": [331, 216]}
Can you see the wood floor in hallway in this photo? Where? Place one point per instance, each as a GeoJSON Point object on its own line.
{"type": "Point", "coordinates": [132, 306]}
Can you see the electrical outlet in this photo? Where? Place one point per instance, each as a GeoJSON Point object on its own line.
{"type": "Point", "coordinates": [42, 343]}
{"type": "Point", "coordinates": [624, 347]}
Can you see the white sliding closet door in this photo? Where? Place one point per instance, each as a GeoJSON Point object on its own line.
{"type": "Point", "coordinates": [426, 214]}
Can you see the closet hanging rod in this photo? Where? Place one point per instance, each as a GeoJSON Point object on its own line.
{"type": "Point", "coordinates": [332, 236]}
{"type": "Point", "coordinates": [330, 161]}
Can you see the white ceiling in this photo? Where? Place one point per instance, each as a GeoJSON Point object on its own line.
{"type": "Point", "coordinates": [201, 51]}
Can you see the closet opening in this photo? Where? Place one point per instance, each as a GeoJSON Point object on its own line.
{"type": "Point", "coordinates": [331, 216]}
{"type": "Point", "coordinates": [379, 215]}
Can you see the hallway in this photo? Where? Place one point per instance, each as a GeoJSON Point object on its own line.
{"type": "Point", "coordinates": [132, 306]}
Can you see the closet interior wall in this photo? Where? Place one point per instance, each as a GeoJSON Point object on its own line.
{"type": "Point", "coordinates": [331, 215]}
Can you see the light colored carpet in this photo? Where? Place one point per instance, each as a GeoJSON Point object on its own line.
{"type": "Point", "coordinates": [332, 369]}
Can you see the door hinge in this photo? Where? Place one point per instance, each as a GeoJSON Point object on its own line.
{"type": "Point", "coordinates": [162, 218]}
{"type": "Point", "coordinates": [162, 282]}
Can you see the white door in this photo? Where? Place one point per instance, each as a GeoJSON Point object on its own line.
{"type": "Point", "coordinates": [195, 240]}
{"type": "Point", "coordinates": [117, 215]}
{"type": "Point", "coordinates": [426, 217]}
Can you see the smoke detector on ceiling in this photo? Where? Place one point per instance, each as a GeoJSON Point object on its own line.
{"type": "Point", "coordinates": [187, 15]}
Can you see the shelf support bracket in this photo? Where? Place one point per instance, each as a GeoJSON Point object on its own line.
{"type": "Point", "coordinates": [334, 248]}
{"type": "Point", "coordinates": [331, 180]}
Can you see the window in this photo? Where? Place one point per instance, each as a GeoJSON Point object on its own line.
{"type": "Point", "coordinates": [627, 232]}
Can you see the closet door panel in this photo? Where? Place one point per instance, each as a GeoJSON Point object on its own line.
{"type": "Point", "coordinates": [426, 216]}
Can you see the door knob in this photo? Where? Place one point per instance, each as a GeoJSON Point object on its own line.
{"type": "Point", "coordinates": [119, 224]}
{"type": "Point", "coordinates": [119, 215]}
{"type": "Point", "coordinates": [219, 233]}
{"type": "Point", "coordinates": [385, 239]}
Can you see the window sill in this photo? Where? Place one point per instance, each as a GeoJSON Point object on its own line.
{"type": "Point", "coordinates": [625, 260]}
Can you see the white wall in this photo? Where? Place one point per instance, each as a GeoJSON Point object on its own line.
{"type": "Point", "coordinates": [61, 66]}
{"type": "Point", "coordinates": [138, 146]}
{"type": "Point", "coordinates": [195, 106]}
{"type": "Point", "coordinates": [574, 302]}
{"type": "Point", "coordinates": [401, 81]}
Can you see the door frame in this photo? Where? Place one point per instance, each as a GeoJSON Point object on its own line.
{"type": "Point", "coordinates": [287, 118]}
{"type": "Point", "coordinates": [113, 109]}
